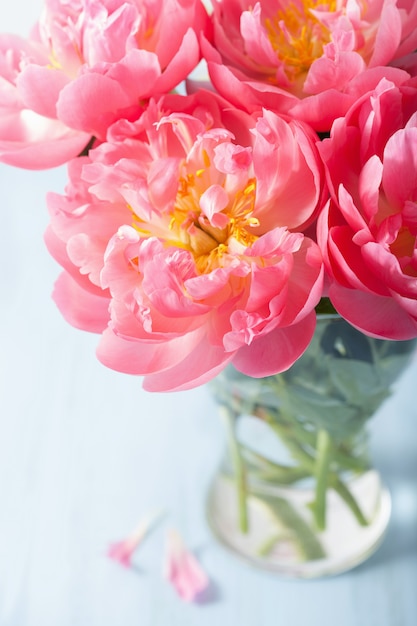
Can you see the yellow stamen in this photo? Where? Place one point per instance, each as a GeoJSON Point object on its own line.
{"type": "Point", "coordinates": [206, 158]}
{"type": "Point", "coordinates": [186, 227]}
{"type": "Point", "coordinates": [250, 188]}
{"type": "Point", "coordinates": [298, 37]}
{"type": "Point", "coordinates": [54, 63]}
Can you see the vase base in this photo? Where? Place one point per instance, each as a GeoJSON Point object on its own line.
{"type": "Point", "coordinates": [280, 534]}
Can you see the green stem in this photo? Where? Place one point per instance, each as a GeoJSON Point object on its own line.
{"type": "Point", "coordinates": [348, 498]}
{"type": "Point", "coordinates": [238, 467]}
{"type": "Point", "coordinates": [306, 460]}
{"type": "Point", "coordinates": [295, 448]}
{"type": "Point", "coordinates": [267, 546]}
{"type": "Point", "coordinates": [266, 470]}
{"type": "Point", "coordinates": [296, 431]}
{"type": "Point", "coordinates": [303, 537]}
{"type": "Point", "coordinates": [299, 443]}
{"type": "Point", "coordinates": [286, 476]}
{"type": "Point", "coordinates": [323, 459]}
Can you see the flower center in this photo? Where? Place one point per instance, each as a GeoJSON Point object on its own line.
{"type": "Point", "coordinates": [212, 215]}
{"type": "Point", "coordinates": [209, 240]}
{"type": "Point", "coordinates": [297, 36]}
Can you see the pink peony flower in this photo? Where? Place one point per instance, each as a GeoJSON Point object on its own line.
{"type": "Point", "coordinates": [309, 58]}
{"type": "Point", "coordinates": [182, 569]}
{"type": "Point", "coordinates": [87, 64]}
{"type": "Point", "coordinates": [191, 235]}
{"type": "Point", "coordinates": [28, 138]}
{"type": "Point", "coordinates": [368, 230]}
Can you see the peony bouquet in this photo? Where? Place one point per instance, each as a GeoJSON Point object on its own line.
{"type": "Point", "coordinates": [210, 215]}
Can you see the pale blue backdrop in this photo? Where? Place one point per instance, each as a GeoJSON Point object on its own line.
{"type": "Point", "coordinates": [84, 452]}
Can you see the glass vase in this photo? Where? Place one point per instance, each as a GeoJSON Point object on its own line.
{"type": "Point", "coordinates": [296, 492]}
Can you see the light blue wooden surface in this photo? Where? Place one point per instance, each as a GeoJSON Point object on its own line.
{"type": "Point", "coordinates": [84, 452]}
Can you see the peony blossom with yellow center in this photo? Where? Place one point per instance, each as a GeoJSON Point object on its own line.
{"type": "Point", "coordinates": [183, 242]}
{"type": "Point", "coordinates": [311, 59]}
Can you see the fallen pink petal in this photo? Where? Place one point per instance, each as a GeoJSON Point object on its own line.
{"type": "Point", "coordinates": [182, 569]}
{"type": "Point", "coordinates": [122, 551]}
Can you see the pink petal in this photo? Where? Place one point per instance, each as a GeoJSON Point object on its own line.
{"type": "Point", "coordinates": [137, 74]}
{"type": "Point", "coordinates": [388, 36]}
{"type": "Point", "coordinates": [276, 351]}
{"type": "Point", "coordinates": [92, 103]}
{"type": "Point", "coordinates": [186, 14]}
{"type": "Point", "coordinates": [122, 551]}
{"type": "Point", "coordinates": [148, 357]}
{"type": "Point", "coordinates": [40, 88]}
{"type": "Point", "coordinates": [400, 166]}
{"type": "Point", "coordinates": [232, 159]}
{"type": "Point", "coordinates": [369, 184]}
{"type": "Point", "coordinates": [378, 316]}
{"type": "Point", "coordinates": [34, 142]}
{"type": "Point", "coordinates": [57, 248]}
{"type": "Point", "coordinates": [212, 202]}
{"type": "Point", "coordinates": [182, 569]}
{"type": "Point", "coordinates": [347, 258]}
{"type": "Point", "coordinates": [180, 65]}
{"type": "Point", "coordinates": [163, 182]}
{"type": "Point", "coordinates": [387, 269]}
{"type": "Point", "coordinates": [321, 109]}
{"type": "Point", "coordinates": [305, 285]}
{"type": "Point", "coordinates": [79, 307]}
{"type": "Point", "coordinates": [199, 366]}
{"type": "Point", "coordinates": [107, 34]}
{"type": "Point", "coordinates": [328, 72]}
{"type": "Point", "coordinates": [257, 44]}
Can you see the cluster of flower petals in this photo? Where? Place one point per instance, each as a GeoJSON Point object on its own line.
{"type": "Point", "coordinates": [86, 64]}
{"type": "Point", "coordinates": [182, 240]}
{"type": "Point", "coordinates": [368, 231]}
{"type": "Point", "coordinates": [309, 58]}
